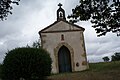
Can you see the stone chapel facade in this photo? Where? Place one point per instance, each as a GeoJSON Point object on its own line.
{"type": "Point", "coordinates": [65, 43]}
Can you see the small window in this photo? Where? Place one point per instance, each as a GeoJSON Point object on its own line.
{"type": "Point", "coordinates": [60, 15]}
{"type": "Point", "coordinates": [62, 37]}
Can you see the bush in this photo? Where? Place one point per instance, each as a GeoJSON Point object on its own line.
{"type": "Point", "coordinates": [26, 63]}
{"type": "Point", "coordinates": [0, 71]}
{"type": "Point", "coordinates": [115, 57]}
{"type": "Point", "coordinates": [106, 59]}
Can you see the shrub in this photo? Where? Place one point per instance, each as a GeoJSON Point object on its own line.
{"type": "Point", "coordinates": [0, 70]}
{"type": "Point", "coordinates": [106, 59]}
{"type": "Point", "coordinates": [115, 57]}
{"type": "Point", "coordinates": [26, 63]}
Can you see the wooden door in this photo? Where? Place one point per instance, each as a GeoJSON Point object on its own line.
{"type": "Point", "coordinates": [64, 60]}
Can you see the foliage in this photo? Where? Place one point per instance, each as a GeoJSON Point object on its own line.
{"type": "Point", "coordinates": [104, 15]}
{"type": "Point", "coordinates": [36, 44]}
{"type": "Point", "coordinates": [26, 63]}
{"type": "Point", "coordinates": [116, 57]}
{"type": "Point", "coordinates": [106, 59]}
{"type": "Point", "coordinates": [6, 7]}
{"type": "Point", "coordinates": [0, 70]}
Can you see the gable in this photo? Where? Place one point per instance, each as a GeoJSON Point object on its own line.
{"type": "Point", "coordinates": [62, 26]}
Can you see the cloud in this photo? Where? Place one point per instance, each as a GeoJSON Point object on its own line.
{"type": "Point", "coordinates": [98, 47]}
{"type": "Point", "coordinates": [21, 28]}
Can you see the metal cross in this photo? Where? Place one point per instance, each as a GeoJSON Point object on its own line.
{"type": "Point", "coordinates": [59, 4]}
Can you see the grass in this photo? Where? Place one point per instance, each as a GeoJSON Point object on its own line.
{"type": "Point", "coordinates": [97, 71]}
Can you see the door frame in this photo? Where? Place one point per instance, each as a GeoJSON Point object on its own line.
{"type": "Point", "coordinates": [64, 56]}
{"type": "Point", "coordinates": [71, 55]}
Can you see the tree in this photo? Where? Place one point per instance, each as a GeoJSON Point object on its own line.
{"type": "Point", "coordinates": [6, 7]}
{"type": "Point", "coordinates": [115, 57]}
{"type": "Point", "coordinates": [36, 44]}
{"type": "Point", "coordinates": [106, 59]}
{"type": "Point", "coordinates": [26, 63]}
{"type": "Point", "coordinates": [104, 15]}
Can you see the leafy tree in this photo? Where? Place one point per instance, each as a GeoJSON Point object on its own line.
{"type": "Point", "coordinates": [36, 44]}
{"type": "Point", "coordinates": [113, 58]}
{"type": "Point", "coordinates": [6, 7]}
{"type": "Point", "coordinates": [26, 63]}
{"type": "Point", "coordinates": [116, 57]}
{"type": "Point", "coordinates": [106, 59]}
{"type": "Point", "coordinates": [104, 15]}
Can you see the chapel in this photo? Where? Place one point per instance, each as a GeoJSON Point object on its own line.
{"type": "Point", "coordinates": [65, 43]}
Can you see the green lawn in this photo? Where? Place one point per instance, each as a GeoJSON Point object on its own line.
{"type": "Point", "coordinates": [97, 71]}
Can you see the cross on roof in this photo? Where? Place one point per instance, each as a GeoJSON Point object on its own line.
{"type": "Point", "coordinates": [59, 4]}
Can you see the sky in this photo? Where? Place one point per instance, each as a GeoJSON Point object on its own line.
{"type": "Point", "coordinates": [28, 18]}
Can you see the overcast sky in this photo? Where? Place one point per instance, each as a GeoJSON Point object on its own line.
{"type": "Point", "coordinates": [22, 27]}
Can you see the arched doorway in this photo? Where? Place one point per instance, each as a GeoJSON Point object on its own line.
{"type": "Point", "coordinates": [64, 60]}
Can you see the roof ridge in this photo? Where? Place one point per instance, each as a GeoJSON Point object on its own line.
{"type": "Point", "coordinates": [59, 21]}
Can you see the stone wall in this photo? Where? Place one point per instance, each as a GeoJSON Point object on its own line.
{"type": "Point", "coordinates": [73, 40]}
